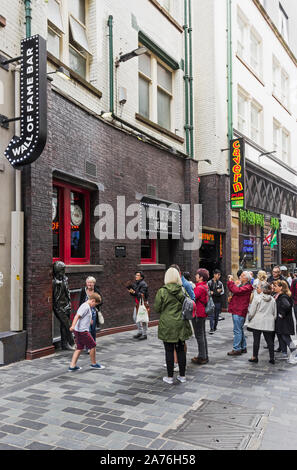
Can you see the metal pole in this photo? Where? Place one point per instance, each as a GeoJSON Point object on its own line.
{"type": "Point", "coordinates": [229, 70]}
{"type": "Point", "coordinates": [111, 64]}
{"type": "Point", "coordinates": [186, 77]}
{"type": "Point", "coordinates": [28, 10]}
{"type": "Point", "coordinates": [191, 81]}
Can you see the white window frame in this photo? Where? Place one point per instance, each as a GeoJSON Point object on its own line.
{"type": "Point", "coordinates": [242, 31]}
{"type": "Point", "coordinates": [258, 130]}
{"type": "Point", "coordinates": [257, 67]}
{"type": "Point", "coordinates": [242, 120]}
{"type": "Point", "coordinates": [153, 90]}
{"type": "Point", "coordinates": [286, 147]}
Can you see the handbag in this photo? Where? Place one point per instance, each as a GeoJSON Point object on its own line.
{"type": "Point", "coordinates": [100, 318]}
{"type": "Point", "coordinates": [142, 313]}
{"type": "Point", "coordinates": [210, 306]}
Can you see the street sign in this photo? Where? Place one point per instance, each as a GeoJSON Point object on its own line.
{"type": "Point", "coordinates": [25, 149]}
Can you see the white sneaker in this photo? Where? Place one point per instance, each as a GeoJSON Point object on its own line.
{"type": "Point", "coordinates": [292, 358]}
{"type": "Point", "coordinates": [181, 379]}
{"type": "Point", "coordinates": [168, 380]}
{"type": "Point", "coordinates": [174, 368]}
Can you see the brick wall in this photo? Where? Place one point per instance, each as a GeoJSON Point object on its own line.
{"type": "Point", "coordinates": [124, 166]}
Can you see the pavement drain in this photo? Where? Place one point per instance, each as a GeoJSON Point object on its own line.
{"type": "Point", "coordinates": [220, 426]}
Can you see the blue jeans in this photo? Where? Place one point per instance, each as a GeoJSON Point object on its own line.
{"type": "Point", "coordinates": [215, 317]}
{"type": "Point", "coordinates": [93, 326]}
{"type": "Point", "coordinates": [239, 341]}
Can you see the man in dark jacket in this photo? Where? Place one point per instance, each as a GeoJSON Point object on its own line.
{"type": "Point", "coordinates": [216, 291]}
{"type": "Point", "coordinates": [238, 306]}
{"type": "Point", "coordinates": [138, 290]}
{"type": "Point", "coordinates": [276, 276]}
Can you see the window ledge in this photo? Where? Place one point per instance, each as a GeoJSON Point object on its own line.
{"type": "Point", "coordinates": [51, 58]}
{"type": "Point", "coordinates": [84, 268]}
{"type": "Point", "coordinates": [152, 267]}
{"type": "Point", "coordinates": [282, 105]}
{"type": "Point", "coordinates": [250, 70]}
{"type": "Point", "coordinates": [158, 128]}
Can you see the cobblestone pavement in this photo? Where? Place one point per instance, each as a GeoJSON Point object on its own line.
{"type": "Point", "coordinates": [128, 406]}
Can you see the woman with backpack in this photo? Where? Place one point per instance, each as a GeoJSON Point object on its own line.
{"type": "Point", "coordinates": [202, 296]}
{"type": "Point", "coordinates": [173, 330]}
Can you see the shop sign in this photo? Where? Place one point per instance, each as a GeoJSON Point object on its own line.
{"type": "Point", "coordinates": [289, 225]}
{"type": "Point", "coordinates": [237, 174]}
{"type": "Point", "coordinates": [248, 246]}
{"type": "Point", "coordinates": [208, 238]}
{"type": "Point", "coordinates": [25, 149]}
{"type": "Point", "coordinates": [160, 219]}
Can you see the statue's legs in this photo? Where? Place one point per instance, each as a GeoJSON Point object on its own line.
{"type": "Point", "coordinates": [66, 335]}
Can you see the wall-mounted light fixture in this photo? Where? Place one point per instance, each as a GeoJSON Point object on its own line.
{"type": "Point", "coordinates": [206, 160]}
{"type": "Point", "coordinates": [137, 52]}
{"type": "Point", "coordinates": [62, 72]}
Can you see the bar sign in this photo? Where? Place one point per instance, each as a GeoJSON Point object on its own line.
{"type": "Point", "coordinates": [237, 174]}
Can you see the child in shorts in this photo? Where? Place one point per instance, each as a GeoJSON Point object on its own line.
{"type": "Point", "coordinates": [81, 326]}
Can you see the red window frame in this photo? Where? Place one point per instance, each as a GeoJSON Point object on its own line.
{"type": "Point", "coordinates": [153, 258]}
{"type": "Point", "coordinates": [64, 195]}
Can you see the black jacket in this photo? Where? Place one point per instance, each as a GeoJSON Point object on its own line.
{"type": "Point", "coordinates": [284, 323]}
{"type": "Point", "coordinates": [83, 296]}
{"type": "Point", "coordinates": [140, 287]}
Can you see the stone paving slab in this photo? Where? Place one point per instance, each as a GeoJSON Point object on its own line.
{"type": "Point", "coordinates": [128, 406]}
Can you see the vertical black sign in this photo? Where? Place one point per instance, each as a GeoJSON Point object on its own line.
{"type": "Point", "coordinates": [237, 173]}
{"type": "Point", "coordinates": [28, 147]}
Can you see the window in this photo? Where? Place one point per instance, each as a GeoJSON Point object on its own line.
{"type": "Point", "coordinates": [155, 94]}
{"type": "Point", "coordinates": [242, 105]}
{"type": "Point", "coordinates": [283, 23]}
{"type": "Point", "coordinates": [250, 246]}
{"type": "Point", "coordinates": [55, 28]}
{"type": "Point", "coordinates": [164, 96]}
{"type": "Point", "coordinates": [53, 42]}
{"type": "Point", "coordinates": [276, 137]}
{"type": "Point", "coordinates": [78, 46]}
{"type": "Point", "coordinates": [285, 88]}
{"type": "Point", "coordinates": [241, 36]}
{"type": "Point", "coordinates": [78, 41]}
{"type": "Point", "coordinates": [249, 44]}
{"type": "Point", "coordinates": [256, 122]}
{"type": "Point", "coordinates": [148, 251]}
{"type": "Point", "coordinates": [285, 146]}
{"type": "Point", "coordinates": [255, 53]}
{"type": "Point", "coordinates": [281, 142]}
{"type": "Point", "coordinates": [276, 74]}
{"type": "Point", "coordinates": [70, 224]}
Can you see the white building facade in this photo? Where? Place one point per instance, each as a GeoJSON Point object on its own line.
{"type": "Point", "coordinates": [260, 86]}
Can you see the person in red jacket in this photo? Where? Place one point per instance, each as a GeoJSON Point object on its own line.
{"type": "Point", "coordinates": [201, 297]}
{"type": "Point", "coordinates": [294, 296]}
{"type": "Point", "coordinates": [238, 306]}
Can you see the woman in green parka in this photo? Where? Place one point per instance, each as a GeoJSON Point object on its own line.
{"type": "Point", "coordinates": [172, 330]}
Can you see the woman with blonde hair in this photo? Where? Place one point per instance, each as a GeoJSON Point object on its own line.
{"type": "Point", "coordinates": [173, 330]}
{"type": "Point", "coordinates": [284, 325]}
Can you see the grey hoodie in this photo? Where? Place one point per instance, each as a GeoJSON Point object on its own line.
{"type": "Point", "coordinates": [262, 313]}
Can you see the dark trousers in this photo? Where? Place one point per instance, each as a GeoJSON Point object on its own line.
{"type": "Point", "coordinates": [269, 338]}
{"type": "Point", "coordinates": [284, 342]}
{"type": "Point", "coordinates": [65, 324]}
{"type": "Point", "coordinates": [200, 335]}
{"type": "Point", "coordinates": [214, 319]}
{"type": "Point", "coordinates": [181, 357]}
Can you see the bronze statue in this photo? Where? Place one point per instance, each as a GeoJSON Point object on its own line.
{"type": "Point", "coordinates": [61, 304]}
